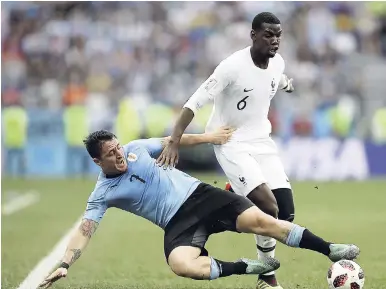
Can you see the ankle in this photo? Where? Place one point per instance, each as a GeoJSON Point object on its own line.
{"type": "Point", "coordinates": [231, 268]}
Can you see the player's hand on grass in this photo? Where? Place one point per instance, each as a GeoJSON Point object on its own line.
{"type": "Point", "coordinates": [222, 135]}
{"type": "Point", "coordinates": [169, 156]}
{"type": "Point", "coordinates": [55, 276]}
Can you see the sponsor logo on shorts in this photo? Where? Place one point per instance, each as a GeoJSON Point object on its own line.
{"type": "Point", "coordinates": [242, 179]}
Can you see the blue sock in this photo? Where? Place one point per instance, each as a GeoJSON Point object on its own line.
{"type": "Point", "coordinates": [295, 236]}
{"type": "Point", "coordinates": [214, 269]}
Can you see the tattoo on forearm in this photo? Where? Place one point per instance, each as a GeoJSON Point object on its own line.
{"type": "Point", "coordinates": [88, 227]}
{"type": "Point", "coordinates": [76, 255]}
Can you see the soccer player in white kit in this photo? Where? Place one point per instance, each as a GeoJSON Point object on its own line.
{"type": "Point", "coordinates": [241, 88]}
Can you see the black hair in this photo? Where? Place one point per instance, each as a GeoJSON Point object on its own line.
{"type": "Point", "coordinates": [264, 17]}
{"type": "Point", "coordinates": [95, 140]}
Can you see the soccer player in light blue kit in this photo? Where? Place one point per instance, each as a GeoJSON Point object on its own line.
{"type": "Point", "coordinates": [188, 210]}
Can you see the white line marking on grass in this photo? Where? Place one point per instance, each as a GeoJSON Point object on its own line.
{"type": "Point", "coordinates": [45, 266]}
{"type": "Point", "coordinates": [20, 202]}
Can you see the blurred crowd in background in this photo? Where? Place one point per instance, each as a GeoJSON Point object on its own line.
{"type": "Point", "coordinates": [103, 61]}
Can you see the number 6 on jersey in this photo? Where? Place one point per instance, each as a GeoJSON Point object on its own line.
{"type": "Point", "coordinates": [242, 103]}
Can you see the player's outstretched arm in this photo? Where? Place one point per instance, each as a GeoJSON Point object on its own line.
{"type": "Point", "coordinates": [169, 156]}
{"type": "Point", "coordinates": [219, 137]}
{"type": "Point", "coordinates": [213, 86]}
{"type": "Point", "coordinates": [182, 123]}
{"type": "Point", "coordinates": [75, 248]}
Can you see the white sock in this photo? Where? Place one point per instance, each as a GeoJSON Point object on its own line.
{"type": "Point", "coordinates": [266, 243]}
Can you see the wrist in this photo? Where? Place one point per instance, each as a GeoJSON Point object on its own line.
{"type": "Point", "coordinates": [174, 140]}
{"type": "Point", "coordinates": [208, 138]}
{"type": "Point", "coordinates": [64, 265]}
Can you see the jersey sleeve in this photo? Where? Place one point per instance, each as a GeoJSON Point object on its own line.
{"type": "Point", "coordinates": [96, 208]}
{"type": "Point", "coordinates": [213, 86]}
{"type": "Point", "coordinates": [152, 145]}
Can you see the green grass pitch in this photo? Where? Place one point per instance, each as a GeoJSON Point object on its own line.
{"type": "Point", "coordinates": [127, 252]}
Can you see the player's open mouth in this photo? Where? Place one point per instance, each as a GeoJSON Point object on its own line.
{"type": "Point", "coordinates": [274, 49]}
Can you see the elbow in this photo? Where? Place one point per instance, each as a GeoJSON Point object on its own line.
{"type": "Point", "coordinates": [196, 102]}
{"type": "Point", "coordinates": [190, 108]}
{"type": "Point", "coordinates": [188, 112]}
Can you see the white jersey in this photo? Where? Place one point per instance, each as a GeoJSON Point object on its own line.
{"type": "Point", "coordinates": [242, 94]}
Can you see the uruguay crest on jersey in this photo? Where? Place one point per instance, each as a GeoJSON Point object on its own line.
{"type": "Point", "coordinates": [131, 157]}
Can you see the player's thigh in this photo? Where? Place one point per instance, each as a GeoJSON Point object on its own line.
{"type": "Point", "coordinates": [273, 171]}
{"type": "Point", "coordinates": [187, 245]}
{"type": "Point", "coordinates": [241, 169]}
{"type": "Point", "coordinates": [264, 199]}
{"type": "Point", "coordinates": [278, 182]}
{"type": "Point", "coordinates": [186, 248]}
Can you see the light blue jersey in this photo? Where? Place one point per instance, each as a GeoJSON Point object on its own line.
{"type": "Point", "coordinates": [146, 189]}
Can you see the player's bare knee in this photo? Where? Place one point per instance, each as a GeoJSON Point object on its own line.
{"type": "Point", "coordinates": [181, 267]}
{"type": "Point", "coordinates": [181, 261]}
{"type": "Point", "coordinates": [265, 225]}
{"type": "Point", "coordinates": [264, 199]}
{"type": "Point", "coordinates": [272, 209]}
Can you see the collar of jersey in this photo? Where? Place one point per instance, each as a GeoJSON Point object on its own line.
{"type": "Point", "coordinates": [113, 176]}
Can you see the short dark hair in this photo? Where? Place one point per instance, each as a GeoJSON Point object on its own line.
{"type": "Point", "coordinates": [95, 140]}
{"type": "Point", "coordinates": [264, 17]}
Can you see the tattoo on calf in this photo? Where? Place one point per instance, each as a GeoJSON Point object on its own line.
{"type": "Point", "coordinates": [88, 227]}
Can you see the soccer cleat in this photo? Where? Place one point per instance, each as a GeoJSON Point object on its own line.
{"type": "Point", "coordinates": [343, 252]}
{"type": "Point", "coordinates": [261, 284]}
{"type": "Point", "coordinates": [260, 267]}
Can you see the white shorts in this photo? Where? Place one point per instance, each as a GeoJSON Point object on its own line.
{"type": "Point", "coordinates": [250, 164]}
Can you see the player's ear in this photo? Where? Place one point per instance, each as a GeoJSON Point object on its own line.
{"type": "Point", "coordinates": [97, 161]}
{"type": "Point", "coordinates": [253, 35]}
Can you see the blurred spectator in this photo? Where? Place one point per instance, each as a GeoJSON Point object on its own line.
{"type": "Point", "coordinates": [75, 91]}
{"type": "Point", "coordinates": [98, 53]}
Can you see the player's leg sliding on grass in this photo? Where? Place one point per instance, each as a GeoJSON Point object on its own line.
{"type": "Point", "coordinates": [255, 221]}
{"type": "Point", "coordinates": [188, 261]}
